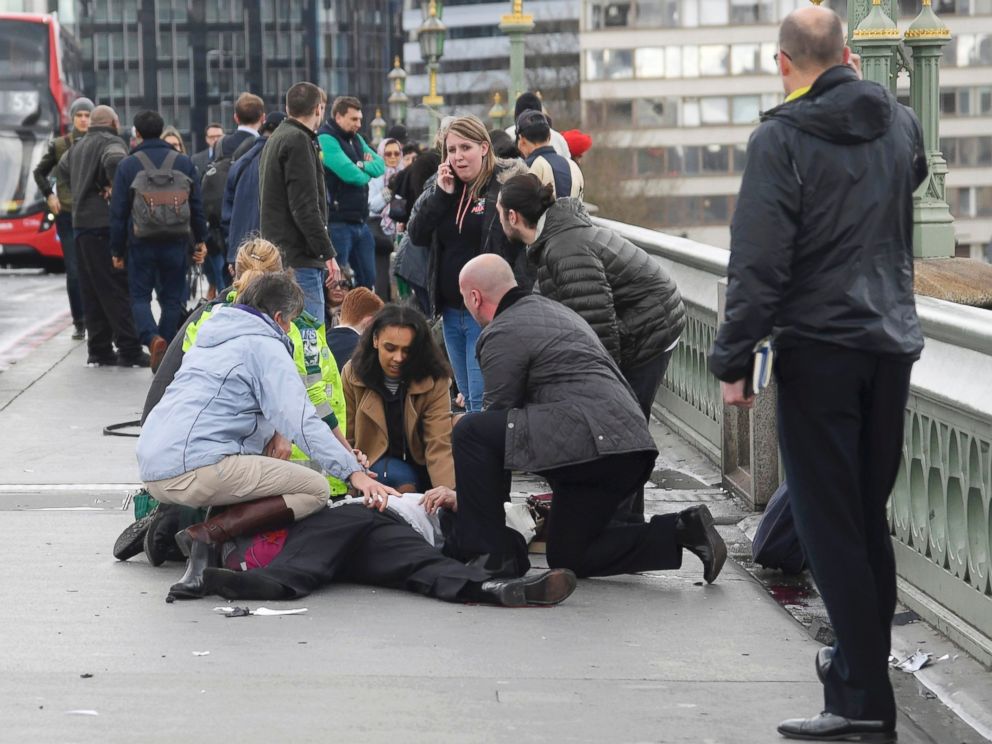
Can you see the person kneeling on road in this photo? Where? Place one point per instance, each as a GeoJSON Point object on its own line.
{"type": "Point", "coordinates": [556, 404]}
{"type": "Point", "coordinates": [237, 389]}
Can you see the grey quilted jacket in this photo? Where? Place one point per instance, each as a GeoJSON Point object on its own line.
{"type": "Point", "coordinates": [626, 296]}
{"type": "Point", "coordinates": [567, 401]}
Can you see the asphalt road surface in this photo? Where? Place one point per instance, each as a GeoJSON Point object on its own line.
{"type": "Point", "coordinates": [33, 308]}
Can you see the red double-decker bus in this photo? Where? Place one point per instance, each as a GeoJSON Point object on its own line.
{"type": "Point", "coordinates": [40, 76]}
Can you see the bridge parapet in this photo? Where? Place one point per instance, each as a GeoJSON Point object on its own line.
{"type": "Point", "coordinates": [940, 512]}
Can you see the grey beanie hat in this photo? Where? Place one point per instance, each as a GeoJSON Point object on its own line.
{"type": "Point", "coordinates": [80, 104]}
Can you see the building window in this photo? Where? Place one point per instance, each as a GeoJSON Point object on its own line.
{"type": "Point", "coordinates": [713, 110]}
{"type": "Point", "coordinates": [650, 62]}
{"type": "Point", "coordinates": [745, 109]}
{"type": "Point", "coordinates": [609, 64]}
{"type": "Point", "coordinates": [714, 12]}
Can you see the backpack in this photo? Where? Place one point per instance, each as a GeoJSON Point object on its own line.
{"type": "Point", "coordinates": [212, 186]}
{"type": "Point", "coordinates": [776, 544]}
{"type": "Point", "coordinates": [160, 204]}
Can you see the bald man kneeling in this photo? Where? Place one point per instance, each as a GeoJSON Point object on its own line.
{"type": "Point", "coordinates": [556, 404]}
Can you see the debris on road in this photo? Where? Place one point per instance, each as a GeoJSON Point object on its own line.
{"type": "Point", "coordinates": [261, 611]}
{"type": "Point", "coordinates": [914, 662]}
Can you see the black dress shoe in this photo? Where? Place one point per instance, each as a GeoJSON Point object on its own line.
{"type": "Point", "coordinates": [694, 530]}
{"type": "Point", "coordinates": [548, 588]}
{"type": "Point", "coordinates": [130, 542]}
{"type": "Point", "coordinates": [824, 659]}
{"type": "Point", "coordinates": [831, 727]}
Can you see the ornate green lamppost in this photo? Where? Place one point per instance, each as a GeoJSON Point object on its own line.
{"type": "Point", "coordinates": [516, 25]}
{"type": "Point", "coordinates": [498, 112]}
{"type": "Point", "coordinates": [398, 100]}
{"type": "Point", "coordinates": [878, 39]}
{"type": "Point", "coordinates": [431, 35]}
{"type": "Point", "coordinates": [933, 225]}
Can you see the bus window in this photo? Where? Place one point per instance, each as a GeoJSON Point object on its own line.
{"type": "Point", "coordinates": [23, 50]}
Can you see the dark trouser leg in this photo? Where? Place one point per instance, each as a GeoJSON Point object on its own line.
{"type": "Point", "coordinates": [63, 226]}
{"type": "Point", "coordinates": [580, 534]}
{"type": "Point", "coordinates": [172, 275]}
{"type": "Point", "coordinates": [644, 379]}
{"type": "Point", "coordinates": [479, 445]}
{"type": "Point", "coordinates": [99, 334]}
{"type": "Point", "coordinates": [392, 554]}
{"type": "Point", "coordinates": [108, 289]}
{"type": "Point", "coordinates": [142, 273]}
{"type": "Point", "coordinates": [840, 421]}
{"type": "Point", "coordinates": [319, 548]}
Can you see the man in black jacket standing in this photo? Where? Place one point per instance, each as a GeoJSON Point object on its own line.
{"type": "Point", "coordinates": [556, 404]}
{"type": "Point", "coordinates": [821, 258]}
{"type": "Point", "coordinates": [292, 199]}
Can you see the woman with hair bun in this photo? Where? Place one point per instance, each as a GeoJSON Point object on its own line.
{"type": "Point", "coordinates": [455, 218]}
{"type": "Point", "coordinates": [626, 296]}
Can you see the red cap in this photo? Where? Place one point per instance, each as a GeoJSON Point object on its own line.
{"type": "Point", "coordinates": [578, 142]}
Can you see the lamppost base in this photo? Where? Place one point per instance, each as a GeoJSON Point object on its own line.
{"type": "Point", "coordinates": [933, 230]}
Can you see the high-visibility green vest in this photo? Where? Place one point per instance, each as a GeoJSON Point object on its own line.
{"type": "Point", "coordinates": [323, 381]}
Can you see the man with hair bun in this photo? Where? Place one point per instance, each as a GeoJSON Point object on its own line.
{"type": "Point", "coordinates": [626, 296]}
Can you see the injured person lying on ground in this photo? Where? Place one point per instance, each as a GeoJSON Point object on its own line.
{"type": "Point", "coordinates": [346, 542]}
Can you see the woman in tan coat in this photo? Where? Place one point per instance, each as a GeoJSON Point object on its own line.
{"type": "Point", "coordinates": [398, 406]}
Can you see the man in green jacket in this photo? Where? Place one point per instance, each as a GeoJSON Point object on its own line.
{"type": "Point", "coordinates": [292, 200]}
{"type": "Point", "coordinates": [60, 204]}
{"type": "Point", "coordinates": [349, 165]}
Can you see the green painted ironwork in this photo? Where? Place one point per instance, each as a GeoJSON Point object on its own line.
{"type": "Point", "coordinates": [516, 25]}
{"type": "Point", "coordinates": [933, 225]}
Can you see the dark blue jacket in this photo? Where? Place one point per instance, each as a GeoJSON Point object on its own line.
{"type": "Point", "coordinates": [240, 213]}
{"type": "Point", "coordinates": [121, 234]}
{"type": "Point", "coordinates": [559, 166]}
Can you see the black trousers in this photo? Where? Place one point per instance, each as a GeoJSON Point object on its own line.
{"type": "Point", "coordinates": [352, 543]}
{"type": "Point", "coordinates": [580, 534]}
{"type": "Point", "coordinates": [840, 414]}
{"type": "Point", "coordinates": [644, 379]}
{"type": "Point", "coordinates": [106, 299]}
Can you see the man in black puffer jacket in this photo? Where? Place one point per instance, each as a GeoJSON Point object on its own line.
{"type": "Point", "coordinates": [626, 296]}
{"type": "Point", "coordinates": [821, 258]}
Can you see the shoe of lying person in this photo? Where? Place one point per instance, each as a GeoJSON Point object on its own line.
{"type": "Point", "coordinates": [131, 540]}
{"type": "Point", "coordinates": [831, 727]}
{"type": "Point", "coordinates": [546, 588]}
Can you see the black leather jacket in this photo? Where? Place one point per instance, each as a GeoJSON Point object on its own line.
{"type": "Point", "coordinates": [822, 237]}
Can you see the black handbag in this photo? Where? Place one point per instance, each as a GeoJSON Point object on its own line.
{"type": "Point", "coordinates": [397, 208]}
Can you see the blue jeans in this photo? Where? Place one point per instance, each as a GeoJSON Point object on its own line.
{"type": "Point", "coordinates": [355, 246]}
{"type": "Point", "coordinates": [394, 472]}
{"type": "Point", "coordinates": [161, 266]}
{"type": "Point", "coordinates": [311, 281]}
{"type": "Point", "coordinates": [213, 269]}
{"type": "Point", "coordinates": [460, 334]}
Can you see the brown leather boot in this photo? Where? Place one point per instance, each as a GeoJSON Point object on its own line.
{"type": "Point", "coordinates": [198, 541]}
{"type": "Point", "coordinates": [248, 518]}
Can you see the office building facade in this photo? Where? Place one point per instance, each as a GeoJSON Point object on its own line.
{"type": "Point", "coordinates": [672, 90]}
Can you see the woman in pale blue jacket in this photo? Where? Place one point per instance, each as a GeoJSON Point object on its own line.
{"type": "Point", "coordinates": [238, 396]}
